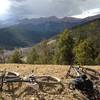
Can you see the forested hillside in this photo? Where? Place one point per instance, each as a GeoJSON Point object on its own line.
{"type": "Point", "coordinates": [79, 45]}
{"type": "Point", "coordinates": [89, 30]}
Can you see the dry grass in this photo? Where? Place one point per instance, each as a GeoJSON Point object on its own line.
{"type": "Point", "coordinates": [54, 70]}
{"type": "Point", "coordinates": [24, 69]}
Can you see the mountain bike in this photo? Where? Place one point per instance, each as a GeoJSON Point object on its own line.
{"type": "Point", "coordinates": [89, 85]}
{"type": "Point", "coordinates": [46, 83]}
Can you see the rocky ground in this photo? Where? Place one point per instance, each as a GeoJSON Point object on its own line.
{"type": "Point", "coordinates": [27, 92]}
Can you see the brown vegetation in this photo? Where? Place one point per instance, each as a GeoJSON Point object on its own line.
{"type": "Point", "coordinates": [27, 93]}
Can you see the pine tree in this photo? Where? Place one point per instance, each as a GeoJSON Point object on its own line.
{"type": "Point", "coordinates": [33, 57]}
{"type": "Point", "coordinates": [64, 49]}
{"type": "Point", "coordinates": [97, 60]}
{"type": "Point", "coordinates": [46, 53]}
{"type": "Point", "coordinates": [2, 57]}
{"type": "Point", "coordinates": [16, 57]}
{"type": "Point", "coordinates": [85, 52]}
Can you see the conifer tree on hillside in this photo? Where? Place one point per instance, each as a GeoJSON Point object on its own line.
{"type": "Point", "coordinates": [33, 57]}
{"type": "Point", "coordinates": [2, 57]}
{"type": "Point", "coordinates": [46, 53]}
{"type": "Point", "coordinates": [16, 57]}
{"type": "Point", "coordinates": [97, 60]}
{"type": "Point", "coordinates": [64, 49]}
{"type": "Point", "coordinates": [85, 52]}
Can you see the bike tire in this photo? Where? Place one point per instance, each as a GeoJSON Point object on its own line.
{"type": "Point", "coordinates": [49, 84]}
{"type": "Point", "coordinates": [11, 81]}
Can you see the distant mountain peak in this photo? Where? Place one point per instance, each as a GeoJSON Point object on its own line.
{"type": "Point", "coordinates": [31, 31]}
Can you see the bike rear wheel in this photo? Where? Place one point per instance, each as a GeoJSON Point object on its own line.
{"type": "Point", "coordinates": [11, 81]}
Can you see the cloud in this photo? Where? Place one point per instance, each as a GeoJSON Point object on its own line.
{"type": "Point", "coordinates": [60, 8]}
{"type": "Point", "coordinates": [17, 0]}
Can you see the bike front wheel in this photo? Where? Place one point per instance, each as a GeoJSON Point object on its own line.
{"type": "Point", "coordinates": [50, 84]}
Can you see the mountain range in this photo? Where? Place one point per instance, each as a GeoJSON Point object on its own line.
{"type": "Point", "coordinates": [27, 32]}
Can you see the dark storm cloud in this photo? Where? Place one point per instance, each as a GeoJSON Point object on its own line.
{"type": "Point", "coordinates": [60, 8]}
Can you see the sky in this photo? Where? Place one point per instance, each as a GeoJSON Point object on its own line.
{"type": "Point", "coordinates": [17, 9]}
